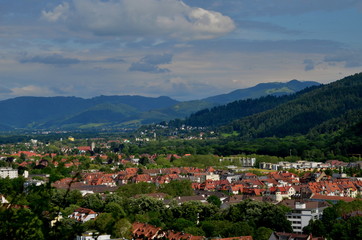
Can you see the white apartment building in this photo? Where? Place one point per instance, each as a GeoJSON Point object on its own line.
{"type": "Point", "coordinates": [245, 161]}
{"type": "Point", "coordinates": [302, 212]}
{"type": "Point", "coordinates": [8, 172]}
{"type": "Point", "coordinates": [299, 165]}
{"type": "Point", "coordinates": [93, 236]}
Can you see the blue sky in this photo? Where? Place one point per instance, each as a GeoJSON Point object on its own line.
{"type": "Point", "coordinates": [187, 49]}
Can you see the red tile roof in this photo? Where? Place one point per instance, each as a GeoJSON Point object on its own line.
{"type": "Point", "coordinates": [333, 198]}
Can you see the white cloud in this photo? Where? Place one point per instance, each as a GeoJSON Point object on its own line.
{"type": "Point", "coordinates": [32, 90]}
{"type": "Point", "coordinates": [150, 63]}
{"type": "Point", "coordinates": [135, 18]}
{"type": "Point", "coordinates": [58, 13]}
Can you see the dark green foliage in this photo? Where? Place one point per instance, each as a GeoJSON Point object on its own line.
{"type": "Point", "coordinates": [177, 188]}
{"type": "Point", "coordinates": [11, 187]}
{"type": "Point", "coordinates": [104, 222]}
{"type": "Point", "coordinates": [316, 228]}
{"type": "Point", "coordinates": [215, 227]}
{"type": "Point", "coordinates": [180, 224]}
{"type": "Point", "coordinates": [262, 233]}
{"type": "Point", "coordinates": [66, 229]}
{"type": "Point", "coordinates": [338, 222]}
{"type": "Point", "coordinates": [306, 111]}
{"type": "Point", "coordinates": [144, 160]}
{"type": "Point", "coordinates": [63, 197]}
{"type": "Point", "coordinates": [222, 115]}
{"type": "Point", "coordinates": [94, 202]}
{"type": "Point", "coordinates": [115, 209]}
{"type": "Point", "coordinates": [20, 224]}
{"type": "Point", "coordinates": [214, 200]}
{"type": "Point", "coordinates": [133, 189]}
{"type": "Point", "coordinates": [200, 161]}
{"type": "Point", "coordinates": [196, 231]}
{"type": "Point", "coordinates": [144, 205]}
{"type": "Point", "coordinates": [259, 214]}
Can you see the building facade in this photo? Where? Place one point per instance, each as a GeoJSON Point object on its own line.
{"type": "Point", "coordinates": [8, 172]}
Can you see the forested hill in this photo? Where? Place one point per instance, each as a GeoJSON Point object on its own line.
{"type": "Point", "coordinates": [225, 114]}
{"type": "Point", "coordinates": [336, 105]}
{"type": "Point", "coordinates": [319, 109]}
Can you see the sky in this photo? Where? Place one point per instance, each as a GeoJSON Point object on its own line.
{"type": "Point", "coordinates": [187, 50]}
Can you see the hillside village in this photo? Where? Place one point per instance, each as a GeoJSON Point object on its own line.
{"type": "Point", "coordinates": [305, 187]}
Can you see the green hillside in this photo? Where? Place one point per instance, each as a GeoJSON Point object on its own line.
{"type": "Point", "coordinates": [306, 112]}
{"type": "Point", "coordinates": [225, 114]}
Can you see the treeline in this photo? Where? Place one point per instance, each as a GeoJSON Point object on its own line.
{"type": "Point", "coordinates": [313, 147]}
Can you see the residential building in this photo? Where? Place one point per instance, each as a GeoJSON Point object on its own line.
{"type": "Point", "coordinates": [244, 161]}
{"type": "Point", "coordinates": [8, 172]}
{"type": "Point", "coordinates": [83, 214]}
{"type": "Point", "coordinates": [292, 236]}
{"type": "Point", "coordinates": [91, 235]}
{"type": "Point", "coordinates": [302, 212]}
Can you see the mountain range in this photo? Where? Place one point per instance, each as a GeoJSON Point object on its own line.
{"type": "Point", "coordinates": [121, 111]}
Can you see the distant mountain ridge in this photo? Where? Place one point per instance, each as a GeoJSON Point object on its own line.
{"type": "Point", "coordinates": [262, 89]}
{"type": "Point", "coordinates": [73, 112]}
{"type": "Point", "coordinates": [119, 111]}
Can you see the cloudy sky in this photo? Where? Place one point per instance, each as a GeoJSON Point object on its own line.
{"type": "Point", "coordinates": [187, 49]}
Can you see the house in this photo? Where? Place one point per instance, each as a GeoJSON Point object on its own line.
{"type": "Point", "coordinates": [159, 196]}
{"type": "Point", "coordinates": [212, 176]}
{"type": "Point", "coordinates": [91, 235]}
{"type": "Point", "coordinates": [253, 191]}
{"type": "Point", "coordinates": [292, 236]}
{"type": "Point", "coordinates": [208, 185]}
{"type": "Point", "coordinates": [147, 231]}
{"type": "Point", "coordinates": [43, 163]}
{"type": "Point", "coordinates": [236, 188]}
{"type": "Point", "coordinates": [235, 238]}
{"type": "Point", "coordinates": [28, 154]}
{"type": "Point", "coordinates": [235, 199]}
{"type": "Point", "coordinates": [280, 193]}
{"type": "Point", "coordinates": [332, 199]}
{"type": "Point", "coordinates": [142, 178]}
{"type": "Point", "coordinates": [314, 177]}
{"type": "Point", "coordinates": [233, 178]}
{"type": "Point", "coordinates": [197, 198]}
{"type": "Point", "coordinates": [348, 188]}
{"type": "Point", "coordinates": [83, 214]}
{"type": "Point", "coordinates": [84, 149]}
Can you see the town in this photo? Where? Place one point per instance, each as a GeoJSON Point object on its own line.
{"type": "Point", "coordinates": [93, 174]}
